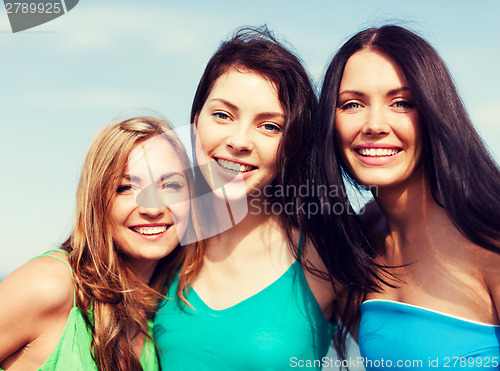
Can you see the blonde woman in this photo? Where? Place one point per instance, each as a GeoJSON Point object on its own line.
{"type": "Point", "coordinates": [89, 305]}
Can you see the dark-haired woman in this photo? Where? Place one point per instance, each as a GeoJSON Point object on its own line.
{"type": "Point", "coordinates": [394, 119]}
{"type": "Point", "coordinates": [254, 306]}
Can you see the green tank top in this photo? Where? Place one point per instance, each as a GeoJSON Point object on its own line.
{"type": "Point", "coordinates": [72, 352]}
{"type": "Point", "coordinates": [278, 328]}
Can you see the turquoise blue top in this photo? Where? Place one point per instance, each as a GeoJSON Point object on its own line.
{"type": "Point", "coordinates": [397, 332]}
{"type": "Point", "coordinates": [271, 330]}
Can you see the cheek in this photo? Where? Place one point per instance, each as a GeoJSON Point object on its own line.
{"type": "Point", "coordinates": [206, 141]}
{"type": "Point", "coordinates": [200, 154]}
{"type": "Point", "coordinates": [115, 215]}
{"type": "Point", "coordinates": [114, 223]}
{"type": "Point", "coordinates": [269, 151]}
{"type": "Point", "coordinates": [343, 138]}
{"type": "Point", "coordinates": [121, 209]}
{"type": "Point", "coordinates": [180, 213]}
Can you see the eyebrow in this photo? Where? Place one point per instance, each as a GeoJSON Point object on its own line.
{"type": "Point", "coordinates": [353, 92]}
{"type": "Point", "coordinates": [131, 178]}
{"type": "Point", "coordinates": [398, 90]}
{"type": "Point", "coordinates": [163, 177]}
{"type": "Point", "coordinates": [227, 103]}
{"type": "Point", "coordinates": [389, 93]}
{"type": "Point", "coordinates": [170, 175]}
{"type": "Point", "coordinates": [270, 115]}
{"type": "Point", "coordinates": [263, 115]}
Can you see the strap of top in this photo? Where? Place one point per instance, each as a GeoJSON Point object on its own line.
{"type": "Point", "coordinates": [48, 254]}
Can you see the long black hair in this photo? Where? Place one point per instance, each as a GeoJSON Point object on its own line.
{"type": "Point", "coordinates": [464, 179]}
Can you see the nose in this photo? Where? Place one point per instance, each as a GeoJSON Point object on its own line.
{"type": "Point", "coordinates": [376, 122]}
{"type": "Point", "coordinates": [240, 138]}
{"type": "Point", "coordinates": [151, 201]}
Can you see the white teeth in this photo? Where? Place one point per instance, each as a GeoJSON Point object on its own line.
{"type": "Point", "coordinates": [234, 166]}
{"type": "Point", "coordinates": [150, 230]}
{"type": "Point", "coordinates": [377, 152]}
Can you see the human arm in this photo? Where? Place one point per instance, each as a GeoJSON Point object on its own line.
{"type": "Point", "coordinates": [35, 302]}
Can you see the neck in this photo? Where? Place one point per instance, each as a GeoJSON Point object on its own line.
{"type": "Point", "coordinates": [143, 270]}
{"type": "Point", "coordinates": [411, 213]}
{"type": "Point", "coordinates": [252, 227]}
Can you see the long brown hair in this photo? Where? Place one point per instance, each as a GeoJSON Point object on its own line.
{"type": "Point", "coordinates": [257, 50]}
{"type": "Point", "coordinates": [115, 302]}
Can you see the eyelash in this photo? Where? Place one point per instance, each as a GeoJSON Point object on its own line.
{"type": "Point", "coordinates": [224, 117]}
{"type": "Point", "coordinates": [218, 115]}
{"type": "Point", "coordinates": [275, 128]}
{"type": "Point", "coordinates": [173, 185]}
{"type": "Point", "coordinates": [124, 188]}
{"type": "Point", "coordinates": [128, 187]}
{"type": "Point", "coordinates": [405, 102]}
{"type": "Point", "coordinates": [347, 106]}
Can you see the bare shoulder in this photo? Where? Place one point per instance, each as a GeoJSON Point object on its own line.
{"type": "Point", "coordinates": [33, 294]}
{"type": "Point", "coordinates": [46, 280]}
{"type": "Point", "coordinates": [489, 263]}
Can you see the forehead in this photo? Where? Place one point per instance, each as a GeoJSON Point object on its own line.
{"type": "Point", "coordinates": [240, 84]}
{"type": "Point", "coordinates": [156, 155]}
{"type": "Point", "coordinates": [372, 68]}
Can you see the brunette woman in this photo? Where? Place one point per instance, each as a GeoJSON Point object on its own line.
{"type": "Point", "coordinates": [394, 120]}
{"type": "Point", "coordinates": [253, 304]}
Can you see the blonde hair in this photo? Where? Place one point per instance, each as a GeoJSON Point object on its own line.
{"type": "Point", "coordinates": [121, 303]}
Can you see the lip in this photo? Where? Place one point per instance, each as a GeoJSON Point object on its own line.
{"type": "Point", "coordinates": [378, 145]}
{"type": "Point", "coordinates": [230, 175]}
{"type": "Point", "coordinates": [150, 237]}
{"type": "Point", "coordinates": [377, 160]}
{"type": "Point", "coordinates": [233, 160]}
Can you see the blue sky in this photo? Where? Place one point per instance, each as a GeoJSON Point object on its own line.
{"type": "Point", "coordinates": [64, 80]}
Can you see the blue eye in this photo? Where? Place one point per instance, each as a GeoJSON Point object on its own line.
{"type": "Point", "coordinates": [271, 128]}
{"type": "Point", "coordinates": [351, 105]}
{"type": "Point", "coordinates": [403, 104]}
{"type": "Point", "coordinates": [221, 115]}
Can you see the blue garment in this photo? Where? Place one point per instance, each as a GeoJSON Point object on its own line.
{"type": "Point", "coordinates": [392, 332]}
{"type": "Point", "coordinates": [271, 330]}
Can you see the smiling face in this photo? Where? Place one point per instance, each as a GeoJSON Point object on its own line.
{"type": "Point", "coordinates": [239, 129]}
{"type": "Point", "coordinates": [150, 209]}
{"type": "Point", "coordinates": [377, 124]}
